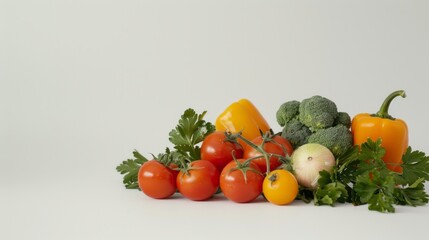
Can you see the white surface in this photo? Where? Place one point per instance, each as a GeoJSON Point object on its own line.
{"type": "Point", "coordinates": [83, 83]}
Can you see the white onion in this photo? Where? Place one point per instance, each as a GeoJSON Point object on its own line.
{"type": "Point", "coordinates": [308, 160]}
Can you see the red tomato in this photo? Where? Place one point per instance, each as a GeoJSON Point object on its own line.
{"type": "Point", "coordinates": [236, 188]}
{"type": "Point", "coordinates": [156, 180]}
{"type": "Point", "coordinates": [279, 147]}
{"type": "Point", "coordinates": [218, 151]}
{"type": "Point", "coordinates": [201, 181]}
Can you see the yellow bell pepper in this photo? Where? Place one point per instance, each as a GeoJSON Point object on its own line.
{"type": "Point", "coordinates": [242, 116]}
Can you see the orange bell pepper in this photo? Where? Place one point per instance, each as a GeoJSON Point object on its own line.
{"type": "Point", "coordinates": [393, 132]}
{"type": "Point", "coordinates": [242, 116]}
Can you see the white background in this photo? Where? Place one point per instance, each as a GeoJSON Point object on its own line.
{"type": "Point", "coordinates": [83, 83]}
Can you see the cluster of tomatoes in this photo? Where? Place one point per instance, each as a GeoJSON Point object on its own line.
{"type": "Point", "coordinates": [239, 170]}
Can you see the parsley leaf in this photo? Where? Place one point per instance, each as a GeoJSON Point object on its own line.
{"type": "Point", "coordinates": [130, 168]}
{"type": "Point", "coordinates": [415, 165]}
{"type": "Point", "coordinates": [376, 189]}
{"type": "Point", "coordinates": [371, 150]}
{"type": "Point", "coordinates": [347, 165]}
{"type": "Point", "coordinates": [365, 187]}
{"type": "Point", "coordinates": [413, 195]}
{"type": "Point", "coordinates": [381, 202]}
{"type": "Point", "coordinates": [367, 179]}
{"type": "Point", "coordinates": [329, 191]}
{"type": "Point", "coordinates": [190, 131]}
{"type": "Point", "coordinates": [375, 183]}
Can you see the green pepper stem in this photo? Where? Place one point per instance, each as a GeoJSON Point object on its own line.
{"type": "Point", "coordinates": [383, 112]}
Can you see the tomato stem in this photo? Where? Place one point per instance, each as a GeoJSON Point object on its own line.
{"type": "Point", "coordinates": [273, 178]}
{"type": "Point", "coordinates": [243, 167]}
{"type": "Point", "coordinates": [267, 137]}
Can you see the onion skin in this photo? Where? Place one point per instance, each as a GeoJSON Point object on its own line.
{"type": "Point", "coordinates": [308, 160]}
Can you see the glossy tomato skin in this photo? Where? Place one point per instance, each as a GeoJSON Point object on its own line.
{"type": "Point", "coordinates": [234, 186]}
{"type": "Point", "coordinates": [174, 169]}
{"type": "Point", "coordinates": [218, 151]}
{"type": "Point", "coordinates": [280, 187]}
{"type": "Point", "coordinates": [156, 180]}
{"type": "Point", "coordinates": [201, 182]}
{"type": "Point", "coordinates": [278, 148]}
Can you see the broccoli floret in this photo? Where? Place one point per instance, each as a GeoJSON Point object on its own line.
{"type": "Point", "coordinates": [287, 111]}
{"type": "Point", "coordinates": [338, 139]}
{"type": "Point", "coordinates": [296, 132]}
{"type": "Point", "coordinates": [317, 112]}
{"type": "Point", "coordinates": [343, 118]}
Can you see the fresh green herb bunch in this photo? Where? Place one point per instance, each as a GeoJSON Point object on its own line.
{"type": "Point", "coordinates": [186, 136]}
{"type": "Point", "coordinates": [361, 177]}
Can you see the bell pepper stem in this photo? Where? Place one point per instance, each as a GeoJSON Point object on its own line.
{"type": "Point", "coordinates": [384, 109]}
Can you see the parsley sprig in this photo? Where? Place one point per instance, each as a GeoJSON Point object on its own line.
{"type": "Point", "coordinates": [130, 169]}
{"type": "Point", "coordinates": [186, 136]}
{"type": "Point", "coordinates": [362, 177]}
{"type": "Point", "coordinates": [190, 131]}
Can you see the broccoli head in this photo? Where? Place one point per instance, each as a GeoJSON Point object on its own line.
{"type": "Point", "coordinates": [296, 132]}
{"type": "Point", "coordinates": [317, 112]}
{"type": "Point", "coordinates": [287, 111]}
{"type": "Point", "coordinates": [338, 139]}
{"type": "Point", "coordinates": [343, 118]}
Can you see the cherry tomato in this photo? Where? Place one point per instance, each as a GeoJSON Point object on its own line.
{"type": "Point", "coordinates": [218, 151]}
{"type": "Point", "coordinates": [280, 187]}
{"type": "Point", "coordinates": [238, 189]}
{"type": "Point", "coordinates": [200, 182]}
{"type": "Point", "coordinates": [279, 147]}
{"type": "Point", "coordinates": [156, 180]}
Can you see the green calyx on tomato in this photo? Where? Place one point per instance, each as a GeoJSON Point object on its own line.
{"type": "Point", "coordinates": [199, 181]}
{"type": "Point", "coordinates": [241, 181]}
{"type": "Point", "coordinates": [244, 166]}
{"type": "Point", "coordinates": [157, 177]}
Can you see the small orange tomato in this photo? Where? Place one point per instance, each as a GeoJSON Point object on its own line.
{"type": "Point", "coordinates": [280, 187]}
